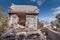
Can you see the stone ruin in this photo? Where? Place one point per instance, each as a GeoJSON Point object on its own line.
{"type": "Point", "coordinates": [23, 23]}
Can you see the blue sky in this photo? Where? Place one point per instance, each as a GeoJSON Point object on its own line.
{"type": "Point", "coordinates": [48, 8]}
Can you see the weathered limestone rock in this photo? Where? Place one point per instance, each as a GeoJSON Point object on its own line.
{"type": "Point", "coordinates": [31, 21]}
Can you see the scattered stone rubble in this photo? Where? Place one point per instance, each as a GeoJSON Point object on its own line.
{"type": "Point", "coordinates": [23, 34]}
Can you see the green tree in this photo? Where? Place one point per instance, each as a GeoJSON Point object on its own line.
{"type": "Point", "coordinates": [58, 17]}
{"type": "Point", "coordinates": [1, 9]}
{"type": "Point", "coordinates": [3, 22]}
{"type": "Point", "coordinates": [40, 25]}
{"type": "Point", "coordinates": [58, 20]}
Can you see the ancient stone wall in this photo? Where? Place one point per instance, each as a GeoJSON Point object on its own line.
{"type": "Point", "coordinates": [31, 21]}
{"type": "Point", "coordinates": [22, 17]}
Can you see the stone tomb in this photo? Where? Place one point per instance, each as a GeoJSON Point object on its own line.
{"type": "Point", "coordinates": [27, 14]}
{"type": "Point", "coordinates": [27, 22]}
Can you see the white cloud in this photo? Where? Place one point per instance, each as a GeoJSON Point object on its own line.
{"type": "Point", "coordinates": [48, 19]}
{"type": "Point", "coordinates": [39, 2]}
{"type": "Point", "coordinates": [56, 10]}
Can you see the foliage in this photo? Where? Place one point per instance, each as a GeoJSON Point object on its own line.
{"type": "Point", "coordinates": [3, 23]}
{"type": "Point", "coordinates": [40, 25]}
{"type": "Point", "coordinates": [1, 9]}
{"type": "Point", "coordinates": [58, 20]}
{"type": "Point", "coordinates": [58, 17]}
{"type": "Point", "coordinates": [58, 25]}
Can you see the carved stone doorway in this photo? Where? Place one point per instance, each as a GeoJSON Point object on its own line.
{"type": "Point", "coordinates": [22, 18]}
